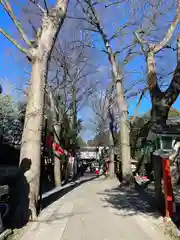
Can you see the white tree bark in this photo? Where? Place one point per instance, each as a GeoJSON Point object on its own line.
{"type": "Point", "coordinates": [56, 124]}
{"type": "Point", "coordinates": [39, 54]}
{"type": "Point", "coordinates": [31, 139]}
{"type": "Point", "coordinates": [124, 125]}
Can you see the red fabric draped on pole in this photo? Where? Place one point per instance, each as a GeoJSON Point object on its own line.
{"type": "Point", "coordinates": [55, 146]}
{"type": "Point", "coordinates": [58, 149]}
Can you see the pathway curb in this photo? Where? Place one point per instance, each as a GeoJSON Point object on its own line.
{"type": "Point", "coordinates": [48, 211]}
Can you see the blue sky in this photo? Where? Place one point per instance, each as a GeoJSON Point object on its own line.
{"type": "Point", "coordinates": [138, 64]}
{"type": "Point", "coordinates": [13, 66]}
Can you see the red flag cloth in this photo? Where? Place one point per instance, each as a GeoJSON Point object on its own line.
{"type": "Point", "coordinates": [97, 171]}
{"type": "Point", "coordinates": [58, 149]}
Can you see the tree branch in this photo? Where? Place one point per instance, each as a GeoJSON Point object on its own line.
{"type": "Point", "coordinates": [80, 18]}
{"type": "Point", "coordinates": [178, 49]}
{"type": "Point", "coordinates": [173, 90]}
{"type": "Point", "coordinates": [53, 106]}
{"type": "Point", "coordinates": [120, 29]}
{"type": "Point", "coordinates": [138, 105]}
{"type": "Point", "coordinates": [158, 47]}
{"type": "Point", "coordinates": [111, 4]}
{"type": "Point", "coordinates": [6, 35]}
{"type": "Point", "coordinates": [46, 7]}
{"type": "Point", "coordinates": [38, 6]}
{"type": "Point", "coordinates": [9, 11]}
{"type": "Point", "coordinates": [141, 42]}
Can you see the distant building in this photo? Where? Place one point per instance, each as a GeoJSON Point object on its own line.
{"type": "Point", "coordinates": [90, 152]}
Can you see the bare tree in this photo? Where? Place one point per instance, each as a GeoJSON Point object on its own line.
{"type": "Point", "coordinates": [161, 101]}
{"type": "Point", "coordinates": [69, 78]}
{"type": "Point", "coordinates": [38, 52]}
{"type": "Point", "coordinates": [102, 104]}
{"type": "Point", "coordinates": [98, 102]}
{"type": "Point", "coordinates": [91, 17]}
{"type": "Point", "coordinates": [79, 70]}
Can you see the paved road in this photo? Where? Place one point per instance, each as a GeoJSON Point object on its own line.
{"type": "Point", "coordinates": [97, 210]}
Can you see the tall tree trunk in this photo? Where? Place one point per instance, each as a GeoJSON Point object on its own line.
{"type": "Point", "coordinates": [56, 116]}
{"type": "Point", "coordinates": [161, 104]}
{"type": "Point", "coordinates": [118, 82]}
{"type": "Point", "coordinates": [159, 113]}
{"type": "Point", "coordinates": [31, 139]}
{"type": "Point", "coordinates": [161, 101]}
{"type": "Point", "coordinates": [124, 134]}
{"type": "Point", "coordinates": [57, 162]}
{"type": "Point", "coordinates": [111, 158]}
{"type": "Point", "coordinates": [111, 137]}
{"type": "Point", "coordinates": [125, 147]}
{"type": "Point", "coordinates": [124, 125]}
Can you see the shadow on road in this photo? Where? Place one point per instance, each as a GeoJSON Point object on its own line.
{"type": "Point", "coordinates": [128, 202]}
{"type": "Point", "coordinates": [46, 201]}
{"type": "Point", "coordinates": [56, 216]}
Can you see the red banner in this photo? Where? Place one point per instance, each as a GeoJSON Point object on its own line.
{"type": "Point", "coordinates": [58, 149]}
